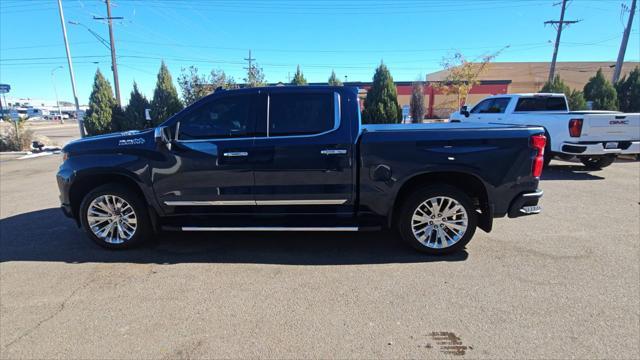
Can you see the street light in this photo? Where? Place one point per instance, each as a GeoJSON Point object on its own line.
{"type": "Point", "coordinates": [55, 90]}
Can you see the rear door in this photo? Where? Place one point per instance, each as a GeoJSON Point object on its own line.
{"type": "Point", "coordinates": [303, 160]}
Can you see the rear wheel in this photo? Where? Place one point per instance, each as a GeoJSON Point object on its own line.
{"type": "Point", "coordinates": [597, 162]}
{"type": "Point", "coordinates": [437, 220]}
{"type": "Point", "coordinates": [114, 217]}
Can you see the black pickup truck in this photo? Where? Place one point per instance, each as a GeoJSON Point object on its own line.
{"type": "Point", "coordinates": [298, 159]}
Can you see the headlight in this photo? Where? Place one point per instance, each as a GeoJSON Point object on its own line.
{"type": "Point", "coordinates": [65, 156]}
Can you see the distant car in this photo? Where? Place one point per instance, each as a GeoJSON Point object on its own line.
{"type": "Point", "coordinates": [595, 137]}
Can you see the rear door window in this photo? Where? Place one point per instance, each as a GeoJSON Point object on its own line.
{"type": "Point", "coordinates": [300, 114]}
{"type": "Point", "coordinates": [541, 103]}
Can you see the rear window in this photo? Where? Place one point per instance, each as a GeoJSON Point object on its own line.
{"type": "Point", "coordinates": [300, 114]}
{"type": "Point", "coordinates": [541, 103]}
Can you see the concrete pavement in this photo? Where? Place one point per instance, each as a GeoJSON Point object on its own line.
{"type": "Point", "coordinates": [565, 283]}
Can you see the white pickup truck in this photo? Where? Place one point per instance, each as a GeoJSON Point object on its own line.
{"type": "Point", "coordinates": [595, 137]}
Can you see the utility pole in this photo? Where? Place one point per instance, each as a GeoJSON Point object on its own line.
{"type": "Point", "coordinates": [114, 64]}
{"type": "Point", "coordinates": [55, 90]}
{"type": "Point", "coordinates": [250, 74]}
{"type": "Point", "coordinates": [559, 25]}
{"type": "Point", "coordinates": [79, 115]}
{"type": "Point", "coordinates": [623, 44]}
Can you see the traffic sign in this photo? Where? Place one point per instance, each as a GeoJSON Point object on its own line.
{"type": "Point", "coordinates": [4, 88]}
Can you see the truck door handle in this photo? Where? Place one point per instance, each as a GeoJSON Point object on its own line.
{"type": "Point", "coordinates": [236, 154]}
{"type": "Point", "coordinates": [333, 152]}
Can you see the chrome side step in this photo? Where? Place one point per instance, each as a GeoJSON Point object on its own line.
{"type": "Point", "coordinates": [270, 228]}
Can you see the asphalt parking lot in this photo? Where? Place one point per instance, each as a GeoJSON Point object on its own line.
{"type": "Point", "coordinates": [565, 283]}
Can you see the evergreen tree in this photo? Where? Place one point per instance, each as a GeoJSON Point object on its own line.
{"type": "Point", "coordinates": [600, 91]}
{"type": "Point", "coordinates": [165, 101]}
{"type": "Point", "coordinates": [134, 114]}
{"type": "Point", "coordinates": [381, 104]}
{"type": "Point", "coordinates": [118, 119]}
{"type": "Point", "coordinates": [628, 89]}
{"type": "Point", "coordinates": [298, 78]}
{"type": "Point", "coordinates": [97, 120]}
{"type": "Point", "coordinates": [416, 105]}
{"type": "Point", "coordinates": [333, 79]}
{"type": "Point", "coordinates": [575, 98]}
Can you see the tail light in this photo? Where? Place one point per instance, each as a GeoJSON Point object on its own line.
{"type": "Point", "coordinates": [538, 142]}
{"type": "Point", "coordinates": [575, 127]}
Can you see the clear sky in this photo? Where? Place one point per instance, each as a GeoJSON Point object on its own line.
{"type": "Point", "coordinates": [352, 37]}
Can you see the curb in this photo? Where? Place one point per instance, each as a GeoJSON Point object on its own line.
{"type": "Point", "coordinates": [15, 152]}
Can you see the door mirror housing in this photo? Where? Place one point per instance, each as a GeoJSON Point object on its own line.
{"type": "Point", "coordinates": [464, 110]}
{"type": "Point", "coordinates": [162, 136]}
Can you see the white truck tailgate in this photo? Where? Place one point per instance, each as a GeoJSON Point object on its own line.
{"type": "Point", "coordinates": [611, 127]}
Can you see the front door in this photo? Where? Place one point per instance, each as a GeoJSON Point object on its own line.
{"type": "Point", "coordinates": [303, 161]}
{"type": "Point", "coordinates": [489, 110]}
{"type": "Point", "coordinates": [208, 168]}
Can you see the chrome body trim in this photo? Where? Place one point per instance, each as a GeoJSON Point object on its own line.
{"type": "Point", "coordinates": [268, 111]}
{"type": "Point", "coordinates": [336, 125]}
{"type": "Point", "coordinates": [256, 203]}
{"type": "Point", "coordinates": [236, 154]}
{"type": "Point", "coordinates": [333, 152]}
{"type": "Point", "coordinates": [211, 203]}
{"type": "Point", "coordinates": [302, 202]}
{"type": "Point", "coordinates": [270, 228]}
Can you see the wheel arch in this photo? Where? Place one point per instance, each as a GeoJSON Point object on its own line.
{"type": "Point", "coordinates": [468, 183]}
{"type": "Point", "coordinates": [83, 184]}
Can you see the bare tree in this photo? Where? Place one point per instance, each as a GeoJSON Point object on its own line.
{"type": "Point", "coordinates": [416, 105]}
{"type": "Point", "coordinates": [462, 75]}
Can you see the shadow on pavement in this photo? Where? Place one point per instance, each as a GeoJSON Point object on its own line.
{"type": "Point", "coordinates": [568, 172]}
{"type": "Point", "coordinates": [47, 235]}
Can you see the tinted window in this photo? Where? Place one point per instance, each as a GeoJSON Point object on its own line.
{"type": "Point", "coordinates": [220, 118]}
{"type": "Point", "coordinates": [300, 114]}
{"type": "Point", "coordinates": [499, 105]}
{"type": "Point", "coordinates": [542, 103]}
{"type": "Point", "coordinates": [482, 107]}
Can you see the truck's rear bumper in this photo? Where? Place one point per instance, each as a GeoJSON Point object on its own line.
{"type": "Point", "coordinates": [598, 148]}
{"type": "Point", "coordinates": [525, 204]}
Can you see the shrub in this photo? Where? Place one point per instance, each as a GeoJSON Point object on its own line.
{"type": "Point", "coordinates": [16, 137]}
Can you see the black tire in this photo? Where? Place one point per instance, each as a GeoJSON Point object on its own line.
{"type": "Point", "coordinates": [143, 228]}
{"type": "Point", "coordinates": [597, 162]}
{"type": "Point", "coordinates": [548, 156]}
{"type": "Point", "coordinates": [415, 199]}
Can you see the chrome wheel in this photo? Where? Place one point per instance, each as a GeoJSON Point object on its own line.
{"type": "Point", "coordinates": [112, 219]}
{"type": "Point", "coordinates": [439, 222]}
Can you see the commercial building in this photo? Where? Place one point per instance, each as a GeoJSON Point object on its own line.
{"type": "Point", "coordinates": [500, 78]}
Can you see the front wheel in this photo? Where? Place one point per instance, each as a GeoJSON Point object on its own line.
{"type": "Point", "coordinates": [437, 220]}
{"type": "Point", "coordinates": [114, 217]}
{"type": "Point", "coordinates": [597, 162]}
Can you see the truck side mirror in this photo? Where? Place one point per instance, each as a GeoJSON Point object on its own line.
{"type": "Point", "coordinates": [464, 110]}
{"type": "Point", "coordinates": [147, 117]}
{"type": "Point", "coordinates": [162, 137]}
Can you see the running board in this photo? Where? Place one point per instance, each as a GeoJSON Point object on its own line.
{"type": "Point", "coordinates": [270, 228]}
